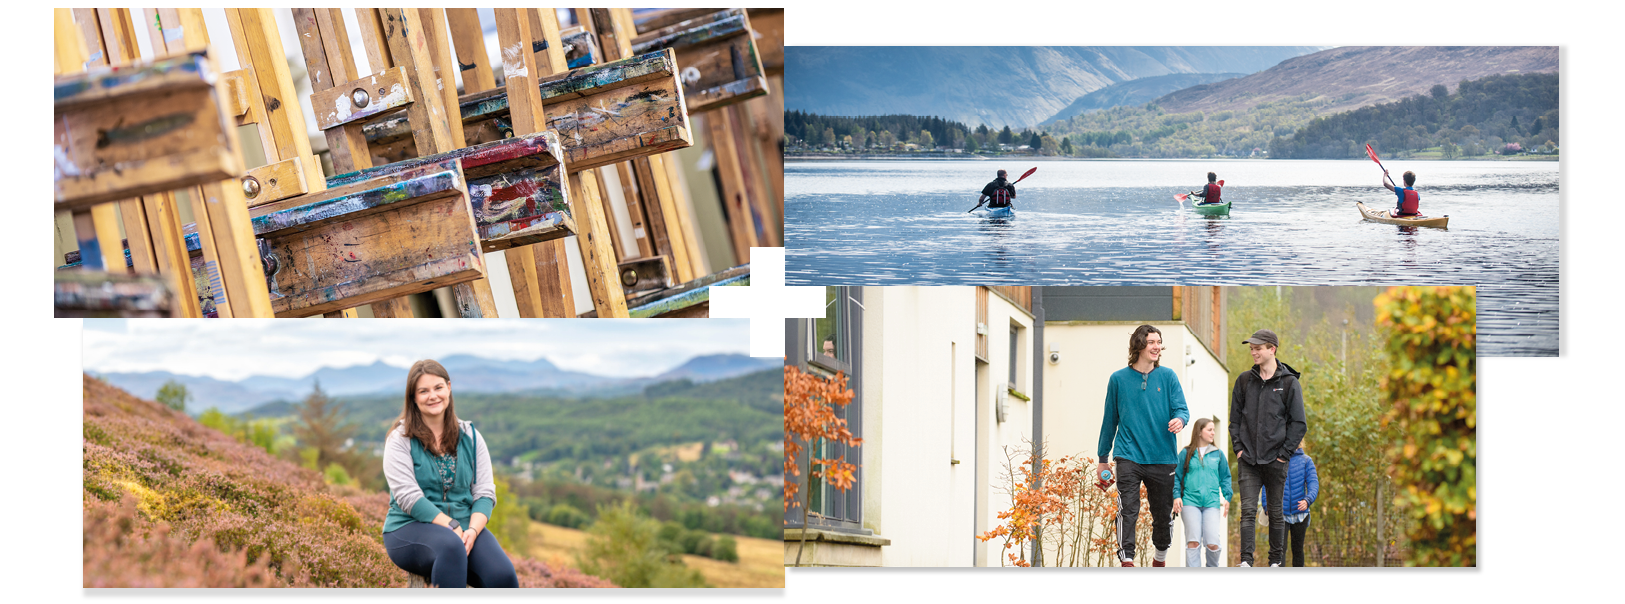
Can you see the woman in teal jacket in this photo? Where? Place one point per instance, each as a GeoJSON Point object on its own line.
{"type": "Point", "coordinates": [1202, 493]}
{"type": "Point", "coordinates": [440, 490]}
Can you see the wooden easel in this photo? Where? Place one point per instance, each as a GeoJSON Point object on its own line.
{"type": "Point", "coordinates": [456, 162]}
{"type": "Point", "coordinates": [143, 130]}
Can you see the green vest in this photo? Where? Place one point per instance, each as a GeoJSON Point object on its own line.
{"type": "Point", "coordinates": [457, 502]}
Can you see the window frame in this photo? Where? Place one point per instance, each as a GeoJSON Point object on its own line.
{"type": "Point", "coordinates": [841, 512]}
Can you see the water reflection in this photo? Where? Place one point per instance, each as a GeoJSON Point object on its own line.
{"type": "Point", "coordinates": [1085, 223]}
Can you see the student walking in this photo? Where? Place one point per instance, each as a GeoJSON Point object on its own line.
{"type": "Point", "coordinates": [1202, 494]}
{"type": "Point", "coordinates": [1145, 410]}
{"type": "Point", "coordinates": [1266, 424]}
{"type": "Point", "coordinates": [1302, 487]}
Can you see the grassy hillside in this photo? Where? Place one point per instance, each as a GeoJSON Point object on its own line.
{"type": "Point", "coordinates": [761, 561]}
{"type": "Point", "coordinates": [171, 503]}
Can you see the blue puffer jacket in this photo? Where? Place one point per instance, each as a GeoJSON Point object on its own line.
{"type": "Point", "coordinates": [1302, 482]}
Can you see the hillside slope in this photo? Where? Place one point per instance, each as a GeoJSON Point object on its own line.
{"type": "Point", "coordinates": [993, 85]}
{"type": "Point", "coordinates": [1138, 92]}
{"type": "Point", "coordinates": [1357, 76]}
{"type": "Point", "coordinates": [169, 502]}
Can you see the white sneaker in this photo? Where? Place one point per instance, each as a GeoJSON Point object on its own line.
{"type": "Point", "coordinates": [1275, 564]}
{"type": "Point", "coordinates": [1245, 564]}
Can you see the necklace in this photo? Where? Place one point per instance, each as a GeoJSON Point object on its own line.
{"type": "Point", "coordinates": [446, 466]}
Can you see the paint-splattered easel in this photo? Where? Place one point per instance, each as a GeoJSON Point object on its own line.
{"type": "Point", "coordinates": [724, 75]}
{"type": "Point", "coordinates": [142, 129]}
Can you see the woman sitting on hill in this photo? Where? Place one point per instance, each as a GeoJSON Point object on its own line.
{"type": "Point", "coordinates": [440, 490]}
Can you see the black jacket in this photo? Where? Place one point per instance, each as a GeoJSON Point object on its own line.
{"type": "Point", "coordinates": [1266, 417]}
{"type": "Point", "coordinates": [999, 183]}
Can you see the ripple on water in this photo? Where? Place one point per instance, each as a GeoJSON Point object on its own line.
{"type": "Point", "coordinates": [1293, 223]}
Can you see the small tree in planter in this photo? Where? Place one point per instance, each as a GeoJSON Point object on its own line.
{"type": "Point", "coordinates": [809, 417]}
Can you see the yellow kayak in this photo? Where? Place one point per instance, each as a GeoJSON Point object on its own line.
{"type": "Point", "coordinates": [1438, 222]}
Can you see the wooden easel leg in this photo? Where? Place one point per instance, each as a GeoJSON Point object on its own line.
{"type": "Point", "coordinates": [555, 289]}
{"type": "Point", "coordinates": [97, 232]}
{"type": "Point", "coordinates": [393, 308]}
{"type": "Point", "coordinates": [522, 272]}
{"type": "Point", "coordinates": [597, 257]}
{"type": "Point", "coordinates": [474, 299]}
{"type": "Point", "coordinates": [169, 251]}
{"type": "Point", "coordinates": [239, 255]}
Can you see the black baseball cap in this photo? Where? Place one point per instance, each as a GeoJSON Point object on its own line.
{"type": "Point", "coordinates": [1263, 336]}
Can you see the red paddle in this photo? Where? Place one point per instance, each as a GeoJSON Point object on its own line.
{"type": "Point", "coordinates": [1373, 154]}
{"type": "Point", "coordinates": [1181, 197]}
{"type": "Point", "coordinates": [1023, 177]}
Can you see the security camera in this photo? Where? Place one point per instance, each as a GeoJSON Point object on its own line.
{"type": "Point", "coordinates": [1054, 356]}
{"type": "Point", "coordinates": [1190, 361]}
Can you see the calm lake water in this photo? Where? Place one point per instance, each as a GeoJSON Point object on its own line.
{"type": "Point", "coordinates": [1116, 222]}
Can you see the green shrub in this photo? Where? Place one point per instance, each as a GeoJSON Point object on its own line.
{"type": "Point", "coordinates": [726, 549]}
{"type": "Point", "coordinates": [563, 514]}
{"type": "Point", "coordinates": [1432, 396]}
{"type": "Point", "coordinates": [336, 475]}
{"type": "Point", "coordinates": [624, 546]}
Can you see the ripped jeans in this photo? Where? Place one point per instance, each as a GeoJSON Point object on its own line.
{"type": "Point", "coordinates": [1205, 528]}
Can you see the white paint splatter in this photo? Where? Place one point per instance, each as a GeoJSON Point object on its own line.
{"type": "Point", "coordinates": [513, 61]}
{"type": "Point", "coordinates": [64, 165]}
{"type": "Point", "coordinates": [341, 107]}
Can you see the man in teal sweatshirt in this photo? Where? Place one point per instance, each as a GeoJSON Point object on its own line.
{"type": "Point", "coordinates": [1145, 410]}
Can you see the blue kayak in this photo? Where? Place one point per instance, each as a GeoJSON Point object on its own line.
{"type": "Point", "coordinates": [1004, 212]}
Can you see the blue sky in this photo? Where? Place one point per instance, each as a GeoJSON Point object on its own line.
{"type": "Point", "coordinates": [236, 348]}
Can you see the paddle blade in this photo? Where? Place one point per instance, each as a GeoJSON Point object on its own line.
{"type": "Point", "coordinates": [1221, 183]}
{"type": "Point", "coordinates": [1372, 153]}
{"type": "Point", "coordinates": [1180, 197]}
{"type": "Point", "coordinates": [1028, 173]}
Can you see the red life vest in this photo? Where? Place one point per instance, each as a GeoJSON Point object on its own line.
{"type": "Point", "coordinates": [999, 198]}
{"type": "Point", "coordinates": [1212, 194]}
{"type": "Point", "coordinates": [1409, 201]}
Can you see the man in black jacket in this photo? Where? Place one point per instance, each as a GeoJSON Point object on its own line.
{"type": "Point", "coordinates": [1266, 425]}
{"type": "Point", "coordinates": [999, 193]}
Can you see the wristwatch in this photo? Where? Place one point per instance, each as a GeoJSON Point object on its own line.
{"type": "Point", "coordinates": [453, 525]}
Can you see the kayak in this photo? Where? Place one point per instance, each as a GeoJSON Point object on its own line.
{"type": "Point", "coordinates": [1438, 222]}
{"type": "Point", "coordinates": [1004, 212]}
{"type": "Point", "coordinates": [1212, 209]}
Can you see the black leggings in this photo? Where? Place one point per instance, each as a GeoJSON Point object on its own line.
{"type": "Point", "coordinates": [1299, 532]}
{"type": "Point", "coordinates": [435, 552]}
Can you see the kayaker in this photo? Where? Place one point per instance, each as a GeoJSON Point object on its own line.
{"type": "Point", "coordinates": [998, 194]}
{"type": "Point", "coordinates": [1410, 202]}
{"type": "Point", "coordinates": [1210, 193]}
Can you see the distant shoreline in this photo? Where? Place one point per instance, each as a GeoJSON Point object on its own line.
{"type": "Point", "coordinates": [965, 156]}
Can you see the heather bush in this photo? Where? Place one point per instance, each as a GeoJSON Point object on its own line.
{"type": "Point", "coordinates": [171, 503]}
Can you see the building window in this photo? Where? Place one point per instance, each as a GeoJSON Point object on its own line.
{"type": "Point", "coordinates": [1015, 350]}
{"type": "Point", "coordinates": [825, 346]}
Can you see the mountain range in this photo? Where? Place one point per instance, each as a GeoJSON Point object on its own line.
{"type": "Point", "coordinates": [993, 85]}
{"type": "Point", "coordinates": [1357, 76]}
{"type": "Point", "coordinates": [1138, 92]}
{"type": "Point", "coordinates": [469, 374]}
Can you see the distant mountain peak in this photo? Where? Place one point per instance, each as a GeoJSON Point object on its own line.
{"type": "Point", "coordinates": [996, 86]}
{"type": "Point", "coordinates": [712, 367]}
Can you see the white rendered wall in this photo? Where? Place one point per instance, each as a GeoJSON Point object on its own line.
{"type": "Point", "coordinates": [920, 415]}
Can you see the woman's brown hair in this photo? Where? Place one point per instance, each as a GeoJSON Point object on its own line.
{"type": "Point", "coordinates": [1196, 437]}
{"type": "Point", "coordinates": [1137, 344]}
{"type": "Point", "coordinates": [412, 420]}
